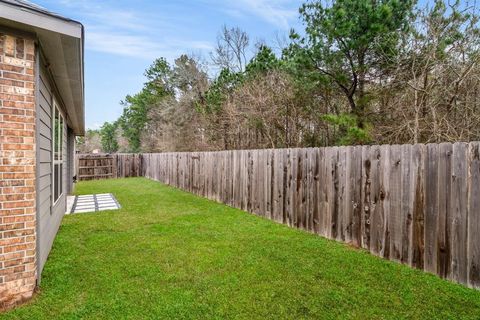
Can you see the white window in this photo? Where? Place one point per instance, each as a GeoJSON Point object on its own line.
{"type": "Point", "coordinates": [57, 154]}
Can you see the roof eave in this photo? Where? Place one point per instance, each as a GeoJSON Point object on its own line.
{"type": "Point", "coordinates": [55, 32]}
{"type": "Point", "coordinates": [39, 19]}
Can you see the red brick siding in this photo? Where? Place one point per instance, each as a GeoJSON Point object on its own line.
{"type": "Point", "coordinates": [17, 170]}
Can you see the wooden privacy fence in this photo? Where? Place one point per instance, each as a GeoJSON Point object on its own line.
{"type": "Point", "coordinates": [128, 165]}
{"type": "Point", "coordinates": [108, 166]}
{"type": "Point", "coordinates": [415, 204]}
{"type": "Point", "coordinates": [94, 166]}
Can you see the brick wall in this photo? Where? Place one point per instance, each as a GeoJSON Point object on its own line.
{"type": "Point", "coordinates": [17, 170]}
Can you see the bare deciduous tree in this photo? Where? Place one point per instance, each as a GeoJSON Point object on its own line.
{"type": "Point", "coordinates": [231, 50]}
{"type": "Point", "coordinates": [432, 94]}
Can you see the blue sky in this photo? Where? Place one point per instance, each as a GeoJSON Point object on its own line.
{"type": "Point", "coordinates": [124, 37]}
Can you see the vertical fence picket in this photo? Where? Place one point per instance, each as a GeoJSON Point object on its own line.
{"type": "Point", "coordinates": [474, 216]}
{"type": "Point", "coordinates": [394, 212]}
{"type": "Point", "coordinates": [459, 207]}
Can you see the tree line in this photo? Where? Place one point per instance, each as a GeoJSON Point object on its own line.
{"type": "Point", "coordinates": [359, 72]}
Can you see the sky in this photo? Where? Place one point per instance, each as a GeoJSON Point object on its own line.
{"type": "Point", "coordinates": [122, 38]}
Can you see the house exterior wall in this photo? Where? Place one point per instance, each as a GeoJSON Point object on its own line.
{"type": "Point", "coordinates": [49, 214]}
{"type": "Point", "coordinates": [18, 266]}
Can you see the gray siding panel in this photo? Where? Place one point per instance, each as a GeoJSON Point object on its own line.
{"type": "Point", "coordinates": [44, 157]}
{"type": "Point", "coordinates": [43, 195]}
{"type": "Point", "coordinates": [50, 216]}
{"type": "Point", "coordinates": [44, 207]}
{"type": "Point", "coordinates": [45, 169]}
{"type": "Point", "coordinates": [44, 116]}
{"type": "Point", "coordinates": [44, 129]}
{"type": "Point", "coordinates": [44, 181]}
{"type": "Point", "coordinates": [45, 88]}
{"type": "Point", "coordinates": [44, 144]}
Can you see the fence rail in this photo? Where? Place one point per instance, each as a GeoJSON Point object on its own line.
{"type": "Point", "coordinates": [415, 204]}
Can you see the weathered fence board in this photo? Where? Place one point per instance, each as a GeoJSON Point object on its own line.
{"type": "Point", "coordinates": [415, 204]}
{"type": "Point", "coordinates": [460, 212]}
{"type": "Point", "coordinates": [474, 216]}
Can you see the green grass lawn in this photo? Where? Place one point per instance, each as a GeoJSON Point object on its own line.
{"type": "Point", "coordinates": [171, 255]}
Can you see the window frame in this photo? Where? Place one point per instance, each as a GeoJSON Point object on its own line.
{"type": "Point", "coordinates": [57, 158]}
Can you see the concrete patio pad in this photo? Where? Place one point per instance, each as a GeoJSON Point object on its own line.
{"type": "Point", "coordinates": [91, 203]}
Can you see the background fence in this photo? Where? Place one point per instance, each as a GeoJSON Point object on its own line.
{"type": "Point", "coordinates": [128, 165]}
{"type": "Point", "coordinates": [107, 166]}
{"type": "Point", "coordinates": [415, 204]}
